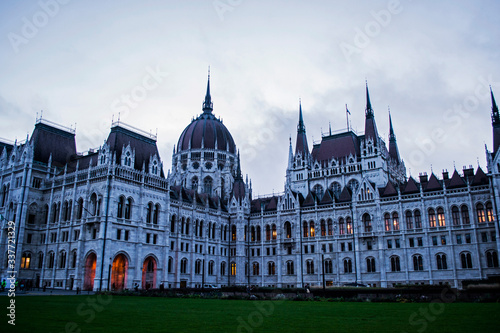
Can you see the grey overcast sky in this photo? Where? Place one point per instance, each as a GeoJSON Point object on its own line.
{"type": "Point", "coordinates": [84, 61]}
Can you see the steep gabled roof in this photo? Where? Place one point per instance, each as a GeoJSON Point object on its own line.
{"type": "Point", "coordinates": [327, 198]}
{"type": "Point", "coordinates": [480, 177]}
{"type": "Point", "coordinates": [345, 195]}
{"type": "Point", "coordinates": [411, 186]}
{"type": "Point", "coordinates": [456, 181]}
{"type": "Point", "coordinates": [145, 147]}
{"type": "Point", "coordinates": [389, 190]}
{"type": "Point", "coordinates": [309, 201]}
{"type": "Point", "coordinates": [49, 140]}
{"type": "Point", "coordinates": [433, 184]}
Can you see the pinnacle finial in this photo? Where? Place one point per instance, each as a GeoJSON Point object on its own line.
{"type": "Point", "coordinates": [207, 104]}
{"type": "Point", "coordinates": [369, 110]}
{"type": "Point", "coordinates": [301, 128]}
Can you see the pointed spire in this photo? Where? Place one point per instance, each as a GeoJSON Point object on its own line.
{"type": "Point", "coordinates": [290, 155]}
{"type": "Point", "coordinates": [207, 104]}
{"type": "Point", "coordinates": [301, 128]}
{"type": "Point", "coordinates": [238, 167]}
{"type": "Point", "coordinates": [369, 110]}
{"type": "Point", "coordinates": [393, 146]}
{"type": "Point", "coordinates": [392, 136]}
{"type": "Point", "coordinates": [301, 143]}
{"type": "Point", "coordinates": [495, 115]}
{"type": "Point", "coordinates": [495, 121]}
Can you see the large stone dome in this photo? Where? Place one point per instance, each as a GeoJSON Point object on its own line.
{"type": "Point", "coordinates": [206, 132]}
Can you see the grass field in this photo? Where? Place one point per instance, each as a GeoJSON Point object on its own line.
{"type": "Point", "coordinates": [144, 314]}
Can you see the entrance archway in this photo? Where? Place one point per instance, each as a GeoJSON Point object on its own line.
{"type": "Point", "coordinates": [90, 264]}
{"type": "Point", "coordinates": [119, 272]}
{"type": "Point", "coordinates": [149, 273]}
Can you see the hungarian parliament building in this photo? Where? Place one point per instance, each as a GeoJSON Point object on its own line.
{"type": "Point", "coordinates": [112, 219]}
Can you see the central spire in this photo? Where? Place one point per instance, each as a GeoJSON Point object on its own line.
{"type": "Point", "coordinates": [369, 110]}
{"type": "Point", "coordinates": [207, 104]}
{"type": "Point", "coordinates": [301, 128]}
{"type": "Point", "coordinates": [495, 115]}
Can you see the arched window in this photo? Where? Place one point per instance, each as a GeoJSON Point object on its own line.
{"type": "Point", "coordinates": [184, 263]}
{"type": "Point", "coordinates": [197, 267]}
{"type": "Point", "coordinates": [395, 221]}
{"type": "Point", "coordinates": [288, 229]}
{"type": "Point", "coordinates": [274, 233]}
{"type": "Point", "coordinates": [367, 222]}
{"type": "Point", "coordinates": [370, 265]}
{"type": "Point", "coordinates": [348, 223]}
{"type": "Point", "coordinates": [305, 229]}
{"type": "Point", "coordinates": [46, 213]}
{"type": "Point", "coordinates": [309, 267]}
{"type": "Point", "coordinates": [418, 219]}
{"type": "Point", "coordinates": [441, 219]}
{"type": "Point", "coordinates": [223, 268]}
{"type": "Point", "coordinates": [395, 264]}
{"type": "Point", "coordinates": [323, 228]}
{"type": "Point", "coordinates": [341, 226]}
{"type": "Point", "coordinates": [156, 214]}
{"type": "Point", "coordinates": [94, 205]}
{"type": "Point", "coordinates": [290, 268]}
{"type": "Point", "coordinates": [257, 233]}
{"type": "Point", "coordinates": [432, 218]}
{"type": "Point", "coordinates": [480, 213]}
{"type": "Point", "coordinates": [409, 220]}
{"type": "Point", "coordinates": [418, 263]}
{"type": "Point", "coordinates": [26, 260]}
{"type": "Point", "coordinates": [318, 190]}
{"type": "Point", "coordinates": [387, 221]}
{"type": "Point", "coordinates": [207, 185]}
{"type": "Point", "coordinates": [255, 268]}
{"type": "Point", "coordinates": [62, 259]}
{"type": "Point", "coordinates": [330, 227]}
{"type": "Point", "coordinates": [149, 212]}
{"type": "Point", "coordinates": [441, 261]}
{"type": "Point", "coordinates": [194, 183]}
{"type": "Point", "coordinates": [121, 204]}
{"type": "Point", "coordinates": [455, 215]}
{"type": "Point", "coordinates": [252, 234]}
{"type": "Point", "coordinates": [466, 259]}
{"type": "Point", "coordinates": [489, 212]}
{"type": "Point", "coordinates": [40, 259]}
{"type": "Point", "coordinates": [5, 194]}
{"type": "Point", "coordinates": [79, 211]}
{"type": "Point", "coordinates": [268, 232]}
{"type": "Point", "coordinates": [170, 264]}
{"type": "Point", "coordinates": [312, 231]}
{"type": "Point", "coordinates": [50, 262]}
{"type": "Point", "coordinates": [233, 236]}
{"type": "Point", "coordinates": [172, 224]}
{"type": "Point", "coordinates": [65, 211]}
{"type": "Point", "coordinates": [465, 214]}
{"type": "Point", "coordinates": [211, 265]}
{"type": "Point", "coordinates": [128, 209]}
{"type": "Point", "coordinates": [233, 268]}
{"type": "Point", "coordinates": [271, 268]}
{"type": "Point", "coordinates": [492, 258]}
{"type": "Point", "coordinates": [73, 259]}
{"type": "Point", "coordinates": [328, 267]}
{"type": "Point", "coordinates": [347, 265]}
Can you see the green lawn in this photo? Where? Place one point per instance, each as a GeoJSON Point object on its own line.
{"type": "Point", "coordinates": [144, 314]}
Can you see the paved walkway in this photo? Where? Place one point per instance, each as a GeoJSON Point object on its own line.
{"type": "Point", "coordinates": [47, 292]}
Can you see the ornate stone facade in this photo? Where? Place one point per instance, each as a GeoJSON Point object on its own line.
{"type": "Point", "coordinates": [111, 219]}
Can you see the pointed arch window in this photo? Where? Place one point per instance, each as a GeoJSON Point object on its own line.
{"type": "Point", "coordinates": [489, 212]}
{"type": "Point", "coordinates": [480, 213]}
{"type": "Point", "coordinates": [367, 222]}
{"type": "Point", "coordinates": [440, 217]}
{"type": "Point", "coordinates": [432, 218]}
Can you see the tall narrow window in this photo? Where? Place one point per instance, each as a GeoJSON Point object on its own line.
{"type": "Point", "coordinates": [489, 212]}
{"type": "Point", "coordinates": [441, 219]}
{"type": "Point", "coordinates": [480, 213]}
{"type": "Point", "coordinates": [432, 218]}
{"type": "Point", "coordinates": [455, 215]}
{"type": "Point", "coordinates": [465, 214]}
{"type": "Point", "coordinates": [409, 220]}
